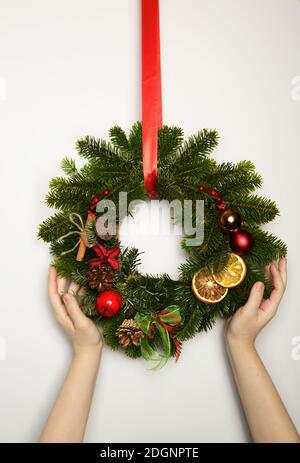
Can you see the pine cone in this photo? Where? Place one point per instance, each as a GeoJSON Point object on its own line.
{"type": "Point", "coordinates": [101, 277]}
{"type": "Point", "coordinates": [129, 333]}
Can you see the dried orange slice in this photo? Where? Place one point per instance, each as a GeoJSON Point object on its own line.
{"type": "Point", "coordinates": [206, 289]}
{"type": "Point", "coordinates": [233, 273]}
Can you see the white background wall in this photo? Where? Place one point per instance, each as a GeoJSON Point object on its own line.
{"type": "Point", "coordinates": [70, 68]}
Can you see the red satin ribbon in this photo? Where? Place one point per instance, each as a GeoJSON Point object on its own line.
{"type": "Point", "coordinates": [151, 92]}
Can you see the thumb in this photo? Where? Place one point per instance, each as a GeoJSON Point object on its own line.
{"type": "Point", "coordinates": [74, 311]}
{"type": "Point", "coordinates": [255, 298]}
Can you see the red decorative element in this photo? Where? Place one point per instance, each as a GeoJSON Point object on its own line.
{"type": "Point", "coordinates": [95, 200]}
{"type": "Point", "coordinates": [241, 242]}
{"type": "Point", "coordinates": [109, 303]}
{"type": "Point", "coordinates": [106, 255]}
{"type": "Point", "coordinates": [178, 346]}
{"type": "Point", "coordinates": [170, 329]}
{"type": "Point", "coordinates": [202, 187]}
{"type": "Point", "coordinates": [221, 206]}
{"type": "Point", "coordinates": [151, 92]}
{"type": "Point", "coordinates": [214, 192]}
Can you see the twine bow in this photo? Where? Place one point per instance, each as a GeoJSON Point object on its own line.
{"type": "Point", "coordinates": [106, 255]}
{"type": "Point", "coordinates": [81, 231]}
{"type": "Point", "coordinates": [164, 324]}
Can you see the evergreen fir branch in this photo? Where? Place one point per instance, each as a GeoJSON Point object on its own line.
{"type": "Point", "coordinates": [68, 192]}
{"type": "Point", "coordinates": [135, 142]}
{"type": "Point", "coordinates": [87, 303]}
{"type": "Point", "coordinates": [79, 278]}
{"type": "Point", "coordinates": [58, 247]}
{"type": "Point", "coordinates": [253, 208]}
{"type": "Point", "coordinates": [192, 323]}
{"type": "Point", "coordinates": [68, 165]}
{"type": "Point", "coordinates": [91, 147]}
{"type": "Point", "coordinates": [192, 311]}
{"type": "Point", "coordinates": [213, 239]}
{"type": "Point", "coordinates": [208, 321]}
{"type": "Point", "coordinates": [267, 247]}
{"type": "Point", "coordinates": [194, 173]}
{"type": "Point", "coordinates": [67, 266]}
{"type": "Point", "coordinates": [70, 198]}
{"type": "Point", "coordinates": [239, 178]}
{"type": "Point", "coordinates": [119, 139]}
{"type": "Point", "coordinates": [168, 189]}
{"type": "Point", "coordinates": [133, 352]}
{"type": "Point", "coordinates": [169, 141]}
{"type": "Point", "coordinates": [110, 326]}
{"type": "Point", "coordinates": [97, 168]}
{"type": "Point", "coordinates": [54, 226]}
{"type": "Point", "coordinates": [201, 144]}
{"type": "Point", "coordinates": [130, 260]}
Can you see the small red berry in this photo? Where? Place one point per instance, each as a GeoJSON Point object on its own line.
{"type": "Point", "coordinates": [202, 187]}
{"type": "Point", "coordinates": [214, 192]}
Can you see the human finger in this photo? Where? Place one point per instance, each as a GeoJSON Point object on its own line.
{"type": "Point", "coordinates": [255, 298]}
{"type": "Point", "coordinates": [55, 299]}
{"type": "Point", "coordinates": [61, 284]}
{"type": "Point", "coordinates": [74, 288]}
{"type": "Point", "coordinates": [74, 311]}
{"type": "Point", "coordinates": [282, 267]}
{"type": "Point", "coordinates": [278, 290]}
{"type": "Point", "coordinates": [267, 272]}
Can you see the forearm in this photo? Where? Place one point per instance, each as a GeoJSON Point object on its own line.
{"type": "Point", "coordinates": [68, 418]}
{"type": "Point", "coordinates": [267, 417]}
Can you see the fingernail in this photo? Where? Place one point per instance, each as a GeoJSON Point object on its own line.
{"type": "Point", "coordinates": [259, 286]}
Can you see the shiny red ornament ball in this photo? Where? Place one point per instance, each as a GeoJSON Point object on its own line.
{"type": "Point", "coordinates": [241, 242]}
{"type": "Point", "coordinates": [109, 303]}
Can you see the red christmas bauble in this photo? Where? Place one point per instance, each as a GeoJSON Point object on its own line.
{"type": "Point", "coordinates": [109, 303]}
{"type": "Point", "coordinates": [241, 242]}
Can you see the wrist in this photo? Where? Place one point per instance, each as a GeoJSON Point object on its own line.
{"type": "Point", "coordinates": [89, 351]}
{"type": "Point", "coordinates": [243, 345]}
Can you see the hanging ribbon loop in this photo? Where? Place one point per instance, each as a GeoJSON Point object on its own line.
{"type": "Point", "coordinates": [151, 92]}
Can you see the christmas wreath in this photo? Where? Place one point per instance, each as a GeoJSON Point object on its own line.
{"type": "Point", "coordinates": [146, 315]}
